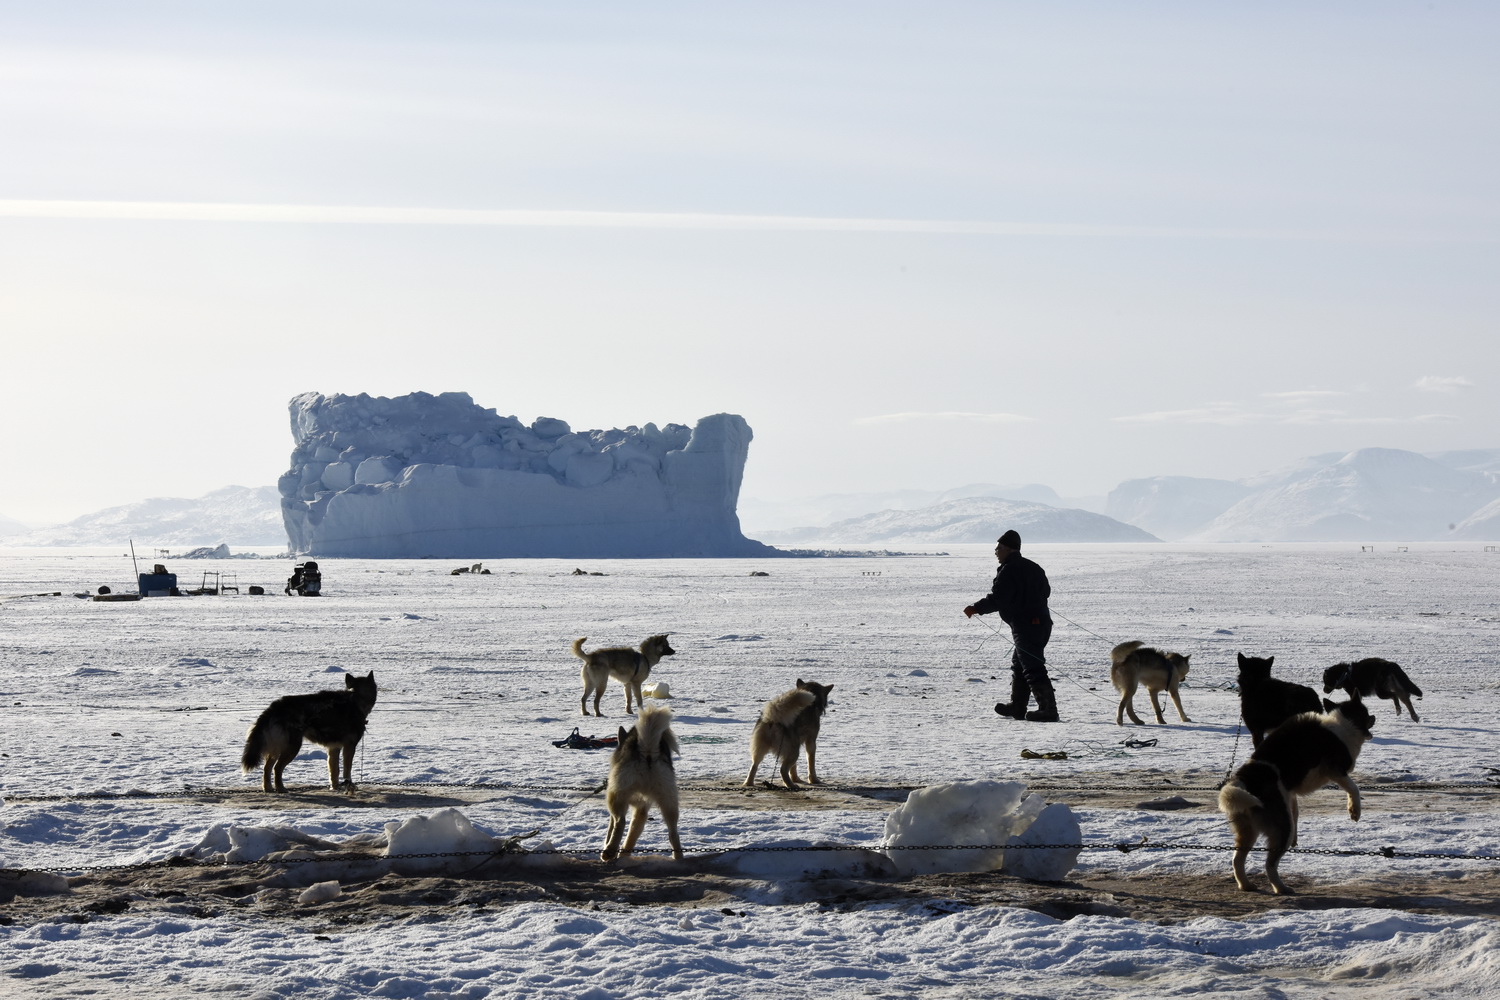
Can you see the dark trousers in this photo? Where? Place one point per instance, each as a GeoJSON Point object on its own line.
{"type": "Point", "coordinates": [1028, 664]}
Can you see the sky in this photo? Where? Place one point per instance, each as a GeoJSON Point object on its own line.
{"type": "Point", "coordinates": [914, 245]}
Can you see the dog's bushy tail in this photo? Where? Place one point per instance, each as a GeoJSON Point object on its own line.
{"type": "Point", "coordinates": [1236, 798]}
{"type": "Point", "coordinates": [1123, 650]}
{"type": "Point", "coordinates": [783, 709]}
{"type": "Point", "coordinates": [773, 731]}
{"type": "Point", "coordinates": [1406, 681]}
{"type": "Point", "coordinates": [653, 731]}
{"type": "Point", "coordinates": [578, 648]}
{"type": "Point", "coordinates": [255, 746]}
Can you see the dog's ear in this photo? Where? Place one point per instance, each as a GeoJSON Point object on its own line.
{"type": "Point", "coordinates": [348, 680]}
{"type": "Point", "coordinates": [1328, 706]}
{"type": "Point", "coordinates": [623, 734]}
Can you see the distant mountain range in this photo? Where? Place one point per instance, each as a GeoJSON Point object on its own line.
{"type": "Point", "coordinates": [762, 518]}
{"type": "Point", "coordinates": [237, 514]}
{"type": "Point", "coordinates": [973, 519]}
{"type": "Point", "coordinates": [1374, 494]}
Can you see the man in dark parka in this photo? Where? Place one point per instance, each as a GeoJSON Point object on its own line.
{"type": "Point", "coordinates": [1019, 594]}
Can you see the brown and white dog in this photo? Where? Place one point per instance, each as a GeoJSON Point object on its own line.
{"type": "Point", "coordinates": [789, 722]}
{"type": "Point", "coordinates": [630, 667]}
{"type": "Point", "coordinates": [1298, 757]}
{"type": "Point", "coordinates": [1133, 664]}
{"type": "Point", "coordinates": [641, 775]}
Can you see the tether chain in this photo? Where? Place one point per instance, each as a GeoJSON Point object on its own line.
{"type": "Point", "coordinates": [1127, 847]}
{"type": "Point", "coordinates": [191, 791]}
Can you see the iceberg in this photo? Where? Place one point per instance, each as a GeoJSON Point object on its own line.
{"type": "Point", "coordinates": [427, 475]}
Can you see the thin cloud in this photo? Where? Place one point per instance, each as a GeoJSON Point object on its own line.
{"type": "Point", "coordinates": [1222, 413]}
{"type": "Point", "coordinates": [954, 415]}
{"type": "Point", "coordinates": [1232, 415]}
{"type": "Point", "coordinates": [162, 211]}
{"type": "Point", "coordinates": [1297, 394]}
{"type": "Point", "coordinates": [1439, 383]}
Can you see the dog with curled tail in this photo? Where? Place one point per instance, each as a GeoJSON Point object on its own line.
{"type": "Point", "coordinates": [641, 774]}
{"type": "Point", "coordinates": [788, 724]}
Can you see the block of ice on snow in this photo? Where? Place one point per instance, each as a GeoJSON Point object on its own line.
{"type": "Point", "coordinates": [424, 475]}
{"type": "Point", "coordinates": [998, 815]}
{"type": "Point", "coordinates": [1035, 853]}
{"type": "Point", "coordinates": [446, 831]}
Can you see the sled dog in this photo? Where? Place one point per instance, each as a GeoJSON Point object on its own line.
{"type": "Point", "coordinates": [1299, 757]}
{"type": "Point", "coordinates": [641, 775]}
{"type": "Point", "coordinates": [333, 719]}
{"type": "Point", "coordinates": [1377, 677]}
{"type": "Point", "coordinates": [1134, 663]}
{"type": "Point", "coordinates": [630, 667]}
{"type": "Point", "coordinates": [1266, 702]}
{"type": "Point", "coordinates": [789, 722]}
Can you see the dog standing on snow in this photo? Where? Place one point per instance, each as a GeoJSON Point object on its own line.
{"type": "Point", "coordinates": [629, 666]}
{"type": "Point", "coordinates": [789, 722]}
{"type": "Point", "coordinates": [1266, 702]}
{"type": "Point", "coordinates": [1297, 758]}
{"type": "Point", "coordinates": [1374, 676]}
{"type": "Point", "coordinates": [1133, 664]}
{"type": "Point", "coordinates": [641, 775]}
{"type": "Point", "coordinates": [333, 719]}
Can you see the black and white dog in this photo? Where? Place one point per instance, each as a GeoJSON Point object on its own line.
{"type": "Point", "coordinates": [1298, 757]}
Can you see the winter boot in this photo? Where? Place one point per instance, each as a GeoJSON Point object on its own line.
{"type": "Point", "coordinates": [1020, 694]}
{"type": "Point", "coordinates": [1046, 704]}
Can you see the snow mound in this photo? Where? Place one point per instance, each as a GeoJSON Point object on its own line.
{"type": "Point", "coordinates": [439, 476]}
{"type": "Point", "coordinates": [781, 861]}
{"type": "Point", "coordinates": [1002, 815]}
{"type": "Point", "coordinates": [243, 844]}
{"type": "Point", "coordinates": [320, 892]}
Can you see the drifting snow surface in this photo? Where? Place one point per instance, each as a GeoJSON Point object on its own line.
{"type": "Point", "coordinates": [424, 475]}
{"type": "Point", "coordinates": [477, 681]}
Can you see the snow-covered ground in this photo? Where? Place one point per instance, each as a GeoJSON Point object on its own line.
{"type": "Point", "coordinates": [476, 681]}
